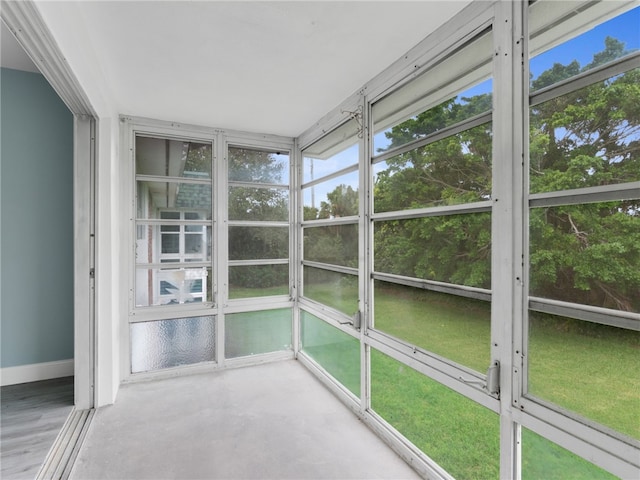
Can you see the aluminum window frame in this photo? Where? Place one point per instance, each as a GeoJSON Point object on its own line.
{"type": "Point", "coordinates": [607, 447]}
{"type": "Point", "coordinates": [509, 204]}
{"type": "Point", "coordinates": [219, 264]}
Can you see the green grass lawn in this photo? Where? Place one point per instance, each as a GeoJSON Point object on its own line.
{"type": "Point", "coordinates": [592, 370]}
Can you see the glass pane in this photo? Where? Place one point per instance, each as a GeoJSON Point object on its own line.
{"type": "Point", "coordinates": [334, 198]}
{"type": "Point", "coordinates": [169, 215]}
{"type": "Point", "coordinates": [544, 459]}
{"type": "Point", "coordinates": [555, 60]}
{"type": "Point", "coordinates": [253, 243]}
{"type": "Point", "coordinates": [193, 243]}
{"type": "Point", "coordinates": [337, 244]}
{"type": "Point", "coordinates": [336, 290]}
{"type": "Point", "coordinates": [448, 93]}
{"type": "Point", "coordinates": [473, 101]}
{"type": "Point", "coordinates": [253, 333]}
{"type": "Point", "coordinates": [258, 281]}
{"type": "Point", "coordinates": [173, 243]}
{"type": "Point", "coordinates": [255, 166]}
{"type": "Point", "coordinates": [588, 254]}
{"type": "Point", "coordinates": [588, 368]}
{"type": "Point", "coordinates": [171, 343]}
{"type": "Point", "coordinates": [172, 158]}
{"type": "Point", "coordinates": [588, 137]}
{"type": "Point", "coordinates": [333, 152]}
{"type": "Point", "coordinates": [154, 196]}
{"type": "Point", "coordinates": [451, 171]}
{"type": "Point", "coordinates": [169, 286]}
{"type": "Point", "coordinates": [170, 243]}
{"type": "Point", "coordinates": [460, 435]}
{"type": "Point", "coordinates": [454, 327]}
{"type": "Point", "coordinates": [269, 204]}
{"type": "Point", "coordinates": [335, 351]}
{"type": "Point", "coordinates": [453, 249]}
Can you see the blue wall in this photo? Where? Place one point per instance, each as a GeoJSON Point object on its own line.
{"type": "Point", "coordinates": [36, 170]}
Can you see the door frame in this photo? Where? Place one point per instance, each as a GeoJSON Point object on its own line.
{"type": "Point", "coordinates": [27, 25]}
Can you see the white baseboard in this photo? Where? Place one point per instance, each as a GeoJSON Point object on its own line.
{"type": "Point", "coordinates": [36, 372]}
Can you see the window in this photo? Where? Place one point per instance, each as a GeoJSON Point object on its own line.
{"type": "Point", "coordinates": [431, 167]}
{"type": "Point", "coordinates": [330, 208]}
{"type": "Point", "coordinates": [584, 248]}
{"type": "Point", "coordinates": [258, 211]}
{"type": "Point", "coordinates": [174, 221]}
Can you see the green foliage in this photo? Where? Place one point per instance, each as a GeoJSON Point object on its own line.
{"type": "Point", "coordinates": [257, 204]}
{"type": "Point", "coordinates": [579, 253]}
{"type": "Point", "coordinates": [343, 202]}
{"type": "Point", "coordinates": [452, 249]}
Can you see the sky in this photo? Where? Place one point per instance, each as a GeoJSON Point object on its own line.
{"type": "Point", "coordinates": [625, 28]}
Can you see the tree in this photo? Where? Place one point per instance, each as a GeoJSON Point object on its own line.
{"type": "Point", "coordinates": [334, 244]}
{"type": "Point", "coordinates": [590, 137]}
{"type": "Point", "coordinates": [580, 253]}
{"type": "Point", "coordinates": [256, 203]}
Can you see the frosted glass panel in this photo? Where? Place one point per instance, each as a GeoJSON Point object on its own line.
{"type": "Point", "coordinates": [171, 343]}
{"type": "Point", "coordinates": [337, 352]}
{"type": "Point", "coordinates": [252, 333]}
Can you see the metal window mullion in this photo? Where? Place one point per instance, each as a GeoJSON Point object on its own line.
{"type": "Point", "coordinates": [294, 236]}
{"type": "Point", "coordinates": [336, 174]}
{"type": "Point", "coordinates": [364, 241]}
{"type": "Point", "coordinates": [326, 222]}
{"type": "Point", "coordinates": [602, 193]}
{"type": "Point", "coordinates": [475, 207]}
{"type": "Point", "coordinates": [330, 267]}
{"type": "Point", "coordinates": [450, 288]}
{"type": "Point", "coordinates": [220, 233]}
{"type": "Point", "coordinates": [162, 222]}
{"type": "Point", "coordinates": [507, 283]}
{"type": "Point", "coordinates": [263, 261]}
{"type": "Point", "coordinates": [445, 132]}
{"type": "Point", "coordinates": [265, 186]}
{"type": "Point", "coordinates": [163, 179]}
{"type": "Point", "coordinates": [585, 79]}
{"type": "Point", "coordinates": [252, 223]}
{"type": "Point", "coordinates": [588, 313]}
{"type": "Point", "coordinates": [172, 265]}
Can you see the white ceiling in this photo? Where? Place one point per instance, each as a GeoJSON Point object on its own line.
{"type": "Point", "coordinates": [11, 54]}
{"type": "Point", "coordinates": [258, 66]}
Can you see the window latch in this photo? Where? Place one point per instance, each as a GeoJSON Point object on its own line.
{"type": "Point", "coordinates": [492, 383]}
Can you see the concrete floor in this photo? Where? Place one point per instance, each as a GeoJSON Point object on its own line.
{"type": "Point", "coordinates": [272, 421]}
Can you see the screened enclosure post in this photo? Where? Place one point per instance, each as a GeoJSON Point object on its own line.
{"type": "Point", "coordinates": [294, 242]}
{"type": "Point", "coordinates": [221, 245]}
{"type": "Point", "coordinates": [507, 225]}
{"type": "Point", "coordinates": [84, 251]}
{"type": "Point", "coordinates": [365, 256]}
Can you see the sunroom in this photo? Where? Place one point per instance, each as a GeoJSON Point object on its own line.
{"type": "Point", "coordinates": [453, 250]}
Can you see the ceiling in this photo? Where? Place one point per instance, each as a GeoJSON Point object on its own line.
{"type": "Point", "coordinates": [11, 53]}
{"type": "Point", "coordinates": [259, 66]}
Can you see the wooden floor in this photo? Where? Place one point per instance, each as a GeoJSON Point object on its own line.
{"type": "Point", "coordinates": [32, 416]}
